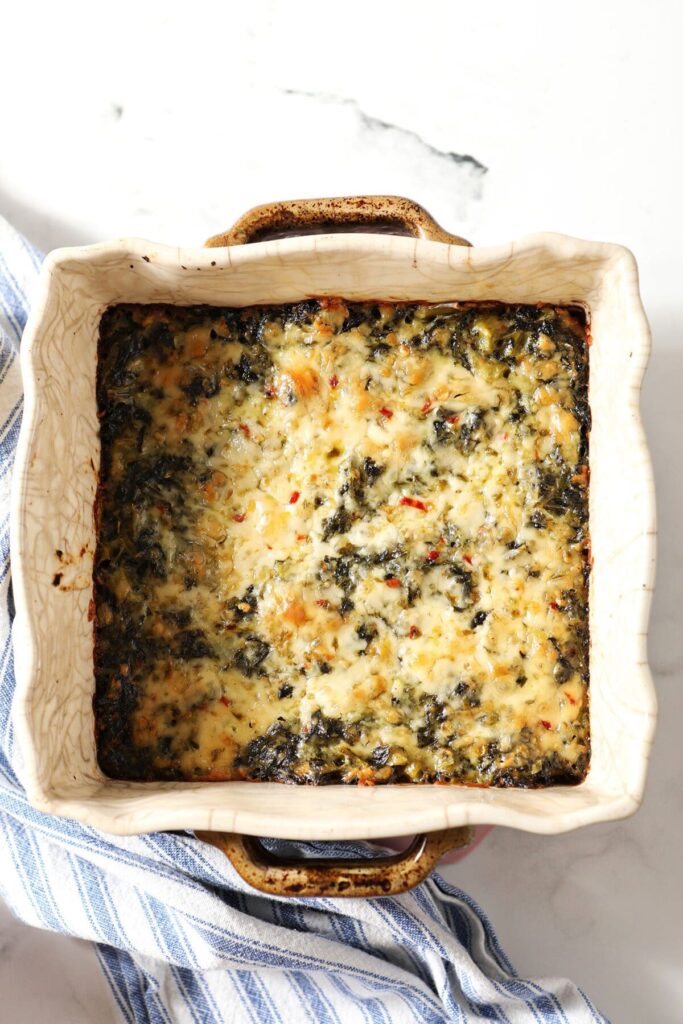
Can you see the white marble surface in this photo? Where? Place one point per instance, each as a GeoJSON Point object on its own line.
{"type": "Point", "coordinates": [502, 119]}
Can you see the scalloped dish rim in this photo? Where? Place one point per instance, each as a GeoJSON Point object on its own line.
{"type": "Point", "coordinates": [53, 490]}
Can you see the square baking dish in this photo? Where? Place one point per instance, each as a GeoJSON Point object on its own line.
{"type": "Point", "coordinates": [53, 539]}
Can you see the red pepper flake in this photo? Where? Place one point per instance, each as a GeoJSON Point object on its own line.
{"type": "Point", "coordinates": [393, 582]}
{"type": "Point", "coordinates": [546, 725]}
{"type": "Point", "coordinates": [388, 413]}
{"type": "Point", "coordinates": [413, 632]}
{"type": "Point", "coordinates": [301, 536]}
{"type": "Point", "coordinates": [224, 700]}
{"type": "Point", "coordinates": [569, 697]}
{"type": "Point", "coordinates": [331, 302]}
{"type": "Point", "coordinates": [554, 605]}
{"type": "Point", "coordinates": [452, 419]}
{"type": "Point", "coordinates": [467, 558]}
{"type": "Point", "coordinates": [239, 517]}
{"type": "Point", "coordinates": [413, 503]}
{"type": "Point", "coordinates": [432, 556]}
{"type": "Point", "coordinates": [426, 406]}
{"type": "Point", "coordinates": [294, 497]}
{"type": "Point", "coordinates": [333, 381]}
{"type": "Point", "coordinates": [323, 603]}
{"type": "Point", "coordinates": [245, 429]}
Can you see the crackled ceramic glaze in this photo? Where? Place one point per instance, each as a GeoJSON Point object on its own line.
{"type": "Point", "coordinates": [53, 535]}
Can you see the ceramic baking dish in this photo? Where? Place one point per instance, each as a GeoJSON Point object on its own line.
{"type": "Point", "coordinates": [56, 475]}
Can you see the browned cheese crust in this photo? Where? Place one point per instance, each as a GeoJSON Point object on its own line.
{"type": "Point", "coordinates": [343, 543]}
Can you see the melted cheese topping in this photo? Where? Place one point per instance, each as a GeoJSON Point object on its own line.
{"type": "Point", "coordinates": [343, 543]}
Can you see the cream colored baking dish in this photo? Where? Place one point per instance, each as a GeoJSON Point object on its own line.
{"type": "Point", "coordinates": [53, 536]}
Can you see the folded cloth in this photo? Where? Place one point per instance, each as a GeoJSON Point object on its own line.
{"type": "Point", "coordinates": [180, 937]}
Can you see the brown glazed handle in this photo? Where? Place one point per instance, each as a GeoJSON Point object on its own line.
{"type": "Point", "coordinates": [336, 876]}
{"type": "Point", "coordinates": [392, 215]}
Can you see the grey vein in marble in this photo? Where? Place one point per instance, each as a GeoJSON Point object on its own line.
{"type": "Point", "coordinates": [372, 123]}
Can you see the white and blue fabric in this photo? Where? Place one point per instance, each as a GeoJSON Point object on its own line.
{"type": "Point", "coordinates": [180, 937]}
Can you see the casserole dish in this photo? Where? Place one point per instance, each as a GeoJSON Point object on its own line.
{"type": "Point", "coordinates": [53, 538]}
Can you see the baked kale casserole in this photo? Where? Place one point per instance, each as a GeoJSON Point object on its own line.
{"type": "Point", "coordinates": [343, 542]}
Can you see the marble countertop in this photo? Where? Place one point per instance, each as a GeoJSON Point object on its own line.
{"type": "Point", "coordinates": [502, 120]}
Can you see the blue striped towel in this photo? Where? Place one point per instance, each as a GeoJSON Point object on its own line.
{"type": "Point", "coordinates": [180, 937]}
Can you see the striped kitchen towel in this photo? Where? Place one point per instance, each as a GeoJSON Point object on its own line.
{"type": "Point", "coordinates": [180, 937]}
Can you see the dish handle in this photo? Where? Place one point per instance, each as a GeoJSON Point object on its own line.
{"type": "Point", "coordinates": [393, 215]}
{"type": "Point", "coordinates": [386, 875]}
